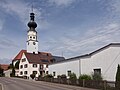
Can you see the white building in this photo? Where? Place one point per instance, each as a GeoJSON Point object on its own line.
{"type": "Point", "coordinates": [104, 61]}
{"type": "Point", "coordinates": [32, 63]}
{"type": "Point", "coordinates": [8, 72]}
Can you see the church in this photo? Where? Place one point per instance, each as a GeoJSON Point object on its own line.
{"type": "Point", "coordinates": [31, 61]}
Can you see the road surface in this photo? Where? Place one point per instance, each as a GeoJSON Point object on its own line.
{"type": "Point", "coordinates": [23, 84]}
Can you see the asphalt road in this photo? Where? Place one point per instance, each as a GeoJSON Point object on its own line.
{"type": "Point", "coordinates": [22, 84]}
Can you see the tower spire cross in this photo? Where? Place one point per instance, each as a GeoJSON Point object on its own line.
{"type": "Point", "coordinates": [32, 7]}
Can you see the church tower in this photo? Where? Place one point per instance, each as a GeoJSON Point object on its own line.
{"type": "Point", "coordinates": [32, 43]}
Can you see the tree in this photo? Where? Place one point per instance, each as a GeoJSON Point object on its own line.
{"type": "Point", "coordinates": [117, 84]}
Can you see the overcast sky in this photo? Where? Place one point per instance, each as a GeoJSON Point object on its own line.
{"type": "Point", "coordinates": [65, 27]}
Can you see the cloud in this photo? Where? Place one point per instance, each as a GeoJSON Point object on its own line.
{"type": "Point", "coordinates": [93, 39]}
{"type": "Point", "coordinates": [1, 24]}
{"type": "Point", "coordinates": [22, 10]}
{"type": "Point", "coordinates": [7, 43]}
{"type": "Point", "coordinates": [62, 2]}
{"type": "Point", "coordinates": [19, 8]}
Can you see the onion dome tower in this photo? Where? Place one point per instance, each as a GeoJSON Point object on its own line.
{"type": "Point", "coordinates": [32, 43]}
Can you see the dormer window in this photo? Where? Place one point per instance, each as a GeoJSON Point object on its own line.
{"type": "Point", "coordinates": [24, 59]}
{"type": "Point", "coordinates": [35, 65]}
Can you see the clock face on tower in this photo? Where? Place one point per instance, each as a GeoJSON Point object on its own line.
{"type": "Point", "coordinates": [34, 43]}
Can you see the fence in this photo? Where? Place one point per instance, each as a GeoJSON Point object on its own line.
{"type": "Point", "coordinates": [103, 85]}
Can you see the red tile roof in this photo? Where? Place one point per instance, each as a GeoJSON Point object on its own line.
{"type": "Point", "coordinates": [41, 57]}
{"type": "Point", "coordinates": [4, 66]}
{"type": "Point", "coordinates": [19, 55]}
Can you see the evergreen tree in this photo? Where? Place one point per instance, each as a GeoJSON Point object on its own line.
{"type": "Point", "coordinates": [13, 72]}
{"type": "Point", "coordinates": [1, 72]}
{"type": "Point", "coordinates": [117, 84]}
{"type": "Point", "coordinates": [17, 65]}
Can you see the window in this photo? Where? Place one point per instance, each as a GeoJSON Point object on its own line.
{"type": "Point", "coordinates": [97, 71]}
{"type": "Point", "coordinates": [46, 72]}
{"type": "Point", "coordinates": [25, 66]}
{"type": "Point", "coordinates": [34, 43]}
{"type": "Point", "coordinates": [25, 72]}
{"type": "Point", "coordinates": [34, 72]}
{"type": "Point", "coordinates": [53, 73]}
{"type": "Point", "coordinates": [69, 72]}
{"type": "Point", "coordinates": [24, 59]}
{"type": "Point", "coordinates": [35, 65]}
{"type": "Point", "coordinates": [41, 66]}
{"type": "Point", "coordinates": [46, 66]}
{"type": "Point", "coordinates": [21, 66]}
{"type": "Point", "coordinates": [21, 73]}
{"type": "Point", "coordinates": [33, 37]}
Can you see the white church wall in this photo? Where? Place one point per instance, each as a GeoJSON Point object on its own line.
{"type": "Point", "coordinates": [107, 60]}
{"type": "Point", "coordinates": [64, 67]}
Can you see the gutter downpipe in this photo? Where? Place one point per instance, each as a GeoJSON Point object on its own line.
{"type": "Point", "coordinates": [79, 67]}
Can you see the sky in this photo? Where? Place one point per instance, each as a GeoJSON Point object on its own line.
{"type": "Point", "coordinates": [66, 28]}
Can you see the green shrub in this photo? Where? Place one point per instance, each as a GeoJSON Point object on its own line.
{"type": "Point", "coordinates": [63, 76]}
{"type": "Point", "coordinates": [84, 77]}
{"type": "Point", "coordinates": [48, 76]}
{"type": "Point", "coordinates": [72, 76]}
{"type": "Point", "coordinates": [58, 76]}
{"type": "Point", "coordinates": [97, 77]}
{"type": "Point", "coordinates": [32, 76]}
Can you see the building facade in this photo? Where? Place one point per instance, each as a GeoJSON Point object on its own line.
{"type": "Point", "coordinates": [103, 61]}
{"type": "Point", "coordinates": [33, 64]}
